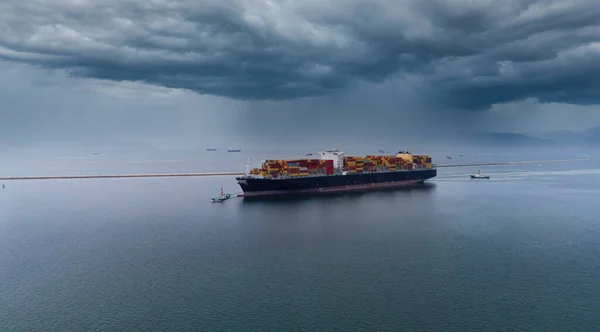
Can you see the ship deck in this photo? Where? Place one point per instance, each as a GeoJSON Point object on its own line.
{"type": "Point", "coordinates": [336, 173]}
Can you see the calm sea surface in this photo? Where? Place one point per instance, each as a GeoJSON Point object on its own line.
{"type": "Point", "coordinates": [518, 252]}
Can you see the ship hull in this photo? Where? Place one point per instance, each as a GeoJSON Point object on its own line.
{"type": "Point", "coordinates": [253, 187]}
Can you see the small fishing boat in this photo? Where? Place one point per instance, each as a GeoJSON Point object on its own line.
{"type": "Point", "coordinates": [381, 151]}
{"type": "Point", "coordinates": [234, 150]}
{"type": "Point", "coordinates": [221, 198]}
{"type": "Point", "coordinates": [211, 149]}
{"type": "Point", "coordinates": [479, 176]}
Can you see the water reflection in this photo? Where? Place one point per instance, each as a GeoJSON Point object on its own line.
{"type": "Point", "coordinates": [384, 193]}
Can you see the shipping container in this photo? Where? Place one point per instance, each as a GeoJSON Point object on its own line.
{"type": "Point", "coordinates": [351, 164]}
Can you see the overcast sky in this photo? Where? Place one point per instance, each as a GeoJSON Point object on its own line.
{"type": "Point", "coordinates": [195, 73]}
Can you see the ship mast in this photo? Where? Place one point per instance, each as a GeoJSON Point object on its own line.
{"type": "Point", "coordinates": [248, 166]}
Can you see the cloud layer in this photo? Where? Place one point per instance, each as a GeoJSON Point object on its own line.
{"type": "Point", "coordinates": [464, 53]}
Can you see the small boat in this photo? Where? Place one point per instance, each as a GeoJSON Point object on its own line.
{"type": "Point", "coordinates": [461, 155]}
{"type": "Point", "coordinates": [448, 157]}
{"type": "Point", "coordinates": [210, 149]}
{"type": "Point", "coordinates": [479, 176]}
{"type": "Point", "coordinates": [309, 154]}
{"type": "Point", "coordinates": [221, 198]}
{"type": "Point", "coordinates": [381, 151]}
{"type": "Point", "coordinates": [234, 150]}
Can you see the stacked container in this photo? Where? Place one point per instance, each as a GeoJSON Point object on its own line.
{"type": "Point", "coordinates": [305, 167]}
{"type": "Point", "coordinates": [350, 164]}
{"type": "Point", "coordinates": [368, 165]}
{"type": "Point", "coordinates": [303, 171]}
{"type": "Point", "coordinates": [313, 166]}
{"type": "Point", "coordinates": [293, 168]}
{"type": "Point", "coordinates": [422, 161]}
{"type": "Point", "coordinates": [359, 164]}
{"type": "Point", "coordinates": [327, 165]}
{"type": "Point", "coordinates": [391, 163]}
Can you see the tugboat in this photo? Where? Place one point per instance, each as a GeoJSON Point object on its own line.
{"type": "Point", "coordinates": [479, 176]}
{"type": "Point", "coordinates": [221, 198]}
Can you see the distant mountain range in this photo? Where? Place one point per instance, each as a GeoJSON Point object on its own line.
{"type": "Point", "coordinates": [539, 139]}
{"type": "Point", "coordinates": [588, 136]}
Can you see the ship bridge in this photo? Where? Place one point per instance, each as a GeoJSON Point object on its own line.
{"type": "Point", "coordinates": [336, 155]}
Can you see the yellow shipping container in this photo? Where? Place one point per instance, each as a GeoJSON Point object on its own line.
{"type": "Point", "coordinates": [405, 156]}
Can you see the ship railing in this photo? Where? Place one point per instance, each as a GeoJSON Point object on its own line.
{"type": "Point", "coordinates": [287, 176]}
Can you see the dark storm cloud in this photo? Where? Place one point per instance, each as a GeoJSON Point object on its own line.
{"type": "Point", "coordinates": [467, 54]}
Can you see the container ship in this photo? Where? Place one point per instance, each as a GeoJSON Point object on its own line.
{"type": "Point", "coordinates": [336, 172]}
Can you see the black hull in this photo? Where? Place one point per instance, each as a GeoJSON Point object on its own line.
{"type": "Point", "coordinates": [334, 183]}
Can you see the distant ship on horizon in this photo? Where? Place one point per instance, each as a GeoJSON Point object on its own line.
{"type": "Point", "coordinates": [234, 150]}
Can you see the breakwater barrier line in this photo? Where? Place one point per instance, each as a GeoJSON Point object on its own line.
{"type": "Point", "coordinates": [515, 163]}
{"type": "Point", "coordinates": [116, 176]}
{"type": "Point", "coordinates": [67, 177]}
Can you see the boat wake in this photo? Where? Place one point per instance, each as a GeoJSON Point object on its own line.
{"type": "Point", "coordinates": [507, 176]}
